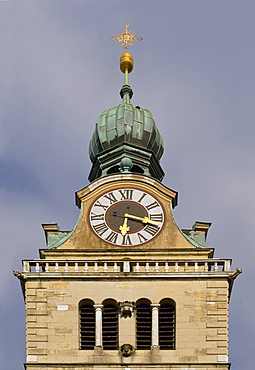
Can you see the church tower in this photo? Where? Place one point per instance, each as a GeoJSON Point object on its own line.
{"type": "Point", "coordinates": [126, 288]}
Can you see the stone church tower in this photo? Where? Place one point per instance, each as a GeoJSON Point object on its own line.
{"type": "Point", "coordinates": [126, 288]}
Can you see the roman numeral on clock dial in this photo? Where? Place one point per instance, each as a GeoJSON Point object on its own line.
{"type": "Point", "coordinates": [126, 240]}
{"type": "Point", "coordinates": [158, 217]}
{"type": "Point", "coordinates": [126, 194]}
{"type": "Point", "coordinates": [100, 229]}
{"type": "Point", "coordinates": [96, 217]}
{"type": "Point", "coordinates": [111, 197]}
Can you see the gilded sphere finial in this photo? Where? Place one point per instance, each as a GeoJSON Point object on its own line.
{"type": "Point", "coordinates": [126, 62]}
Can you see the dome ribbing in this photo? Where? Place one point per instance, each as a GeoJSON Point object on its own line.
{"type": "Point", "coordinates": [126, 124]}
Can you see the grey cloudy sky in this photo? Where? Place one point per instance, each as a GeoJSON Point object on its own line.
{"type": "Point", "coordinates": [194, 70]}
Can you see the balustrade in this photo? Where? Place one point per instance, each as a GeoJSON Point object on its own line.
{"type": "Point", "coordinates": [130, 266]}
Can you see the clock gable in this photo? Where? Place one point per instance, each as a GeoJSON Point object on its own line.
{"type": "Point", "coordinates": [125, 212]}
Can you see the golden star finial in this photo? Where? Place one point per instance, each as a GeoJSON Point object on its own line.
{"type": "Point", "coordinates": [126, 37]}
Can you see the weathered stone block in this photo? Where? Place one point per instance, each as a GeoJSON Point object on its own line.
{"type": "Point", "coordinates": [31, 318]}
{"type": "Point", "coordinates": [216, 298]}
{"type": "Point", "coordinates": [32, 331]}
{"type": "Point", "coordinates": [43, 319]}
{"type": "Point", "coordinates": [222, 306]}
{"type": "Point", "coordinates": [218, 351]}
{"type": "Point", "coordinates": [63, 331]}
{"type": "Point", "coordinates": [37, 338]}
{"type": "Point", "coordinates": [37, 325]}
{"type": "Point", "coordinates": [42, 306]}
{"type": "Point", "coordinates": [217, 337]}
{"type": "Point", "coordinates": [188, 359]}
{"type": "Point", "coordinates": [216, 324]}
{"type": "Point", "coordinates": [31, 305]}
{"type": "Point", "coordinates": [36, 313]}
{"type": "Point", "coordinates": [211, 332]}
{"type": "Point", "coordinates": [37, 351]}
{"type": "Point", "coordinates": [36, 299]}
{"type": "Point", "coordinates": [217, 284]}
{"type": "Point", "coordinates": [217, 312]}
{"type": "Point", "coordinates": [200, 351]}
{"type": "Point", "coordinates": [39, 284]}
{"type": "Point", "coordinates": [222, 331]}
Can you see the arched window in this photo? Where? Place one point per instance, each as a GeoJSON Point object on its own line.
{"type": "Point", "coordinates": [110, 325]}
{"type": "Point", "coordinates": [167, 324]}
{"type": "Point", "coordinates": [143, 324]}
{"type": "Point", "coordinates": [87, 324]}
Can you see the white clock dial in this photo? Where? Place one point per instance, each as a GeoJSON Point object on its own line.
{"type": "Point", "coordinates": [126, 217]}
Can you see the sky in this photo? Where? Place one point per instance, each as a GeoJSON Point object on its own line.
{"type": "Point", "coordinates": [194, 70]}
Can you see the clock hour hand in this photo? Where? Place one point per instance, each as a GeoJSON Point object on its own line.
{"type": "Point", "coordinates": [124, 228]}
{"type": "Point", "coordinates": [145, 219]}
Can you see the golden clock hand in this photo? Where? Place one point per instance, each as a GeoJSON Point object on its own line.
{"type": "Point", "coordinates": [148, 220]}
{"type": "Point", "coordinates": [124, 228]}
{"type": "Point", "coordinates": [145, 219]}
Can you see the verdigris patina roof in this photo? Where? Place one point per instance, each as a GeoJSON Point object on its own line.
{"type": "Point", "coordinates": [126, 124]}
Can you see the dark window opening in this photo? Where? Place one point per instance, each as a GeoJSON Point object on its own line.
{"type": "Point", "coordinates": [137, 169]}
{"type": "Point", "coordinates": [143, 326]}
{"type": "Point", "coordinates": [87, 327]}
{"type": "Point", "coordinates": [110, 327]}
{"type": "Point", "coordinates": [114, 169]}
{"type": "Point", "coordinates": [167, 326]}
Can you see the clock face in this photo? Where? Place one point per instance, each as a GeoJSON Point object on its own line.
{"type": "Point", "coordinates": [126, 217]}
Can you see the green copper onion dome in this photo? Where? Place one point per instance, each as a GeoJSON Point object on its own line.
{"type": "Point", "coordinates": [126, 124]}
{"type": "Point", "coordinates": [126, 132]}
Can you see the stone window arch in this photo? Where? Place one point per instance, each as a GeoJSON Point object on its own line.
{"type": "Point", "coordinates": [167, 320]}
{"type": "Point", "coordinates": [110, 325]}
{"type": "Point", "coordinates": [87, 324]}
{"type": "Point", "coordinates": [143, 324]}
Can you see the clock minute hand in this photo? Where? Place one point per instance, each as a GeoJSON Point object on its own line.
{"type": "Point", "coordinates": [145, 220]}
{"type": "Point", "coordinates": [124, 228]}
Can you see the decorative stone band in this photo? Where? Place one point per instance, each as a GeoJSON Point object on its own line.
{"type": "Point", "coordinates": [191, 266]}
